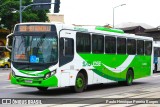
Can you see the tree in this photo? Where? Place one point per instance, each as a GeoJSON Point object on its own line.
{"type": "Point", "coordinates": [9, 18]}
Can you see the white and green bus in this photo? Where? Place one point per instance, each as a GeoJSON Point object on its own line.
{"type": "Point", "coordinates": [56, 55]}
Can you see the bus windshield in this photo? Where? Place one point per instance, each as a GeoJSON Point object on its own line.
{"type": "Point", "coordinates": [35, 48]}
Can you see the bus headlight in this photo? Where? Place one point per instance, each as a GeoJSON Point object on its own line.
{"type": "Point", "coordinates": [49, 74]}
{"type": "Point", "coordinates": [53, 72]}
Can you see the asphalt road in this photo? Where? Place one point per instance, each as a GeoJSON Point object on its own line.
{"type": "Point", "coordinates": [148, 87]}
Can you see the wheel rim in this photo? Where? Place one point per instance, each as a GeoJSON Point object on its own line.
{"type": "Point", "coordinates": [79, 82]}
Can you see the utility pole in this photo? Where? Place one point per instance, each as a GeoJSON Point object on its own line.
{"type": "Point", "coordinates": [22, 8]}
{"type": "Point", "coordinates": [113, 11]}
{"type": "Point", "coordinates": [20, 11]}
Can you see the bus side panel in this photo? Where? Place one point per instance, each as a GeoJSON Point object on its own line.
{"type": "Point", "coordinates": [107, 66]}
{"type": "Point", "coordinates": [115, 67]}
{"type": "Point", "coordinates": [65, 79]}
{"type": "Point", "coordinates": [141, 66]}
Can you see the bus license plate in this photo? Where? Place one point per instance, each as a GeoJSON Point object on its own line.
{"type": "Point", "coordinates": [28, 81]}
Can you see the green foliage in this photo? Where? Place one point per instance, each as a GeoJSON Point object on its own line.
{"type": "Point", "coordinates": [10, 18]}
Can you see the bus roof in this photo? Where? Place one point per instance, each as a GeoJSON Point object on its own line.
{"type": "Point", "coordinates": [92, 29]}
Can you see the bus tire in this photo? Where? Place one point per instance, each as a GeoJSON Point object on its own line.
{"type": "Point", "coordinates": [129, 78]}
{"type": "Point", "coordinates": [42, 88]}
{"type": "Point", "coordinates": [80, 83]}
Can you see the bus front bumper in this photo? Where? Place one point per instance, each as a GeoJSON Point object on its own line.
{"type": "Point", "coordinates": [35, 82]}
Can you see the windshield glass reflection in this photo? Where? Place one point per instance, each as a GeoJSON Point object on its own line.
{"type": "Point", "coordinates": [35, 49]}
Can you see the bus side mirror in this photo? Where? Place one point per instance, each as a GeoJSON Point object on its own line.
{"type": "Point", "coordinates": [7, 42]}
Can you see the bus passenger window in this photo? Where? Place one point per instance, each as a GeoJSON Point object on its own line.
{"type": "Point", "coordinates": [110, 44]}
{"type": "Point", "coordinates": [131, 46]}
{"type": "Point", "coordinates": [97, 43]}
{"type": "Point", "coordinates": [148, 47]}
{"type": "Point", "coordinates": [121, 45]}
{"type": "Point", "coordinates": [83, 42]}
{"type": "Point", "coordinates": [140, 47]}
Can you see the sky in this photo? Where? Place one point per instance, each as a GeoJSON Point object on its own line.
{"type": "Point", "coordinates": [100, 12]}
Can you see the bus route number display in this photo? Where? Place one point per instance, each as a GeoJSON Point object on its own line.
{"type": "Point", "coordinates": [37, 28]}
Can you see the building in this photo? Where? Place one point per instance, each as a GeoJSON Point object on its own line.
{"type": "Point", "coordinates": [55, 17]}
{"type": "Point", "coordinates": [154, 32]}
{"type": "Point", "coordinates": [139, 30]}
{"type": "Point", "coordinates": [134, 29]}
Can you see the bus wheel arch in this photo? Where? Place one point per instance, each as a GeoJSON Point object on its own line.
{"type": "Point", "coordinates": [80, 81]}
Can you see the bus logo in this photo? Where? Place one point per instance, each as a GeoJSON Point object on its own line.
{"type": "Point", "coordinates": [94, 63]}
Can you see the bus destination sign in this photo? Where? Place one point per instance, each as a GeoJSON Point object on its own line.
{"type": "Point", "coordinates": [34, 28]}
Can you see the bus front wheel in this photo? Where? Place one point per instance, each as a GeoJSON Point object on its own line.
{"type": "Point", "coordinates": [80, 83]}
